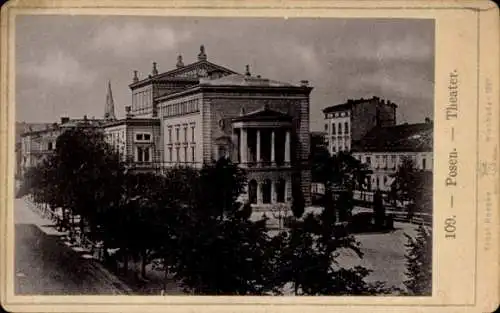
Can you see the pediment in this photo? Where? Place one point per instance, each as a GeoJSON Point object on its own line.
{"type": "Point", "coordinates": [196, 70]}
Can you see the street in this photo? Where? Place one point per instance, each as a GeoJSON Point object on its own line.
{"type": "Point", "coordinates": [384, 253]}
{"type": "Point", "coordinates": [45, 266]}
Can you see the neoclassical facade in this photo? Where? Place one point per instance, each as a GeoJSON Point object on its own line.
{"type": "Point", "coordinates": [207, 111]}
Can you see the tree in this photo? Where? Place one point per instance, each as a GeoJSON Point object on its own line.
{"type": "Point", "coordinates": [419, 262]}
{"type": "Point", "coordinates": [222, 251]}
{"type": "Point", "coordinates": [341, 174]}
{"type": "Point", "coordinates": [413, 187]}
{"type": "Point", "coordinates": [307, 258]}
{"type": "Point", "coordinates": [298, 202]}
{"type": "Point", "coordinates": [89, 176]}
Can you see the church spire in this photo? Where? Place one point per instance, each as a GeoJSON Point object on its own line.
{"type": "Point", "coordinates": [109, 112]}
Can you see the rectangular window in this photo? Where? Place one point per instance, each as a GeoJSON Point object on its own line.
{"type": "Point", "coordinates": [170, 154]}
{"type": "Point", "coordinates": [192, 133]}
{"type": "Point", "coordinates": [143, 154]}
{"type": "Point", "coordinates": [185, 134]}
{"type": "Point", "coordinates": [346, 128]}
{"type": "Point", "coordinates": [178, 155]}
{"type": "Point", "coordinates": [423, 163]}
{"type": "Point", "coordinates": [340, 129]}
{"type": "Point", "coordinates": [139, 154]}
{"type": "Point", "coordinates": [170, 135]}
{"type": "Point", "coordinates": [141, 137]}
{"type": "Point", "coordinates": [50, 146]}
{"type": "Point", "coordinates": [333, 129]}
{"type": "Point", "coordinates": [326, 127]}
{"type": "Point", "coordinates": [177, 134]}
{"type": "Point", "coordinates": [185, 154]}
{"type": "Point", "coordinates": [193, 157]}
{"type": "Point", "coordinates": [368, 160]}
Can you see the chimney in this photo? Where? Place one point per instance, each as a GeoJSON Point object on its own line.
{"type": "Point", "coordinates": [427, 120]}
{"type": "Point", "coordinates": [179, 62]}
{"type": "Point", "coordinates": [247, 70]}
{"type": "Point", "coordinates": [136, 78]}
{"type": "Point", "coordinates": [304, 83]}
{"type": "Point", "coordinates": [155, 70]}
{"type": "Point", "coordinates": [64, 120]}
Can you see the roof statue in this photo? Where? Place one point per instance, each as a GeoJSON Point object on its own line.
{"type": "Point", "coordinates": [179, 61]}
{"type": "Point", "coordinates": [202, 55]}
{"type": "Point", "coordinates": [155, 70]}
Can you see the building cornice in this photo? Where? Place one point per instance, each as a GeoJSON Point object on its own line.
{"type": "Point", "coordinates": [232, 92]}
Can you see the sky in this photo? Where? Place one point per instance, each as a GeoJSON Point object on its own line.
{"type": "Point", "coordinates": [64, 63]}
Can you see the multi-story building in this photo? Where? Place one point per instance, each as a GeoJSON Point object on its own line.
{"type": "Point", "coordinates": [383, 149]}
{"type": "Point", "coordinates": [348, 122]}
{"type": "Point", "coordinates": [38, 144]}
{"type": "Point", "coordinates": [137, 140]}
{"type": "Point", "coordinates": [207, 111]}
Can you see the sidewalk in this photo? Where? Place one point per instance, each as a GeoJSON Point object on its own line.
{"type": "Point", "coordinates": [26, 212]}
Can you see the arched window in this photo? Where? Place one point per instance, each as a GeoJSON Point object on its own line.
{"type": "Point", "coordinates": [280, 191]}
{"type": "Point", "coordinates": [252, 191]}
{"type": "Point", "coordinates": [266, 191]}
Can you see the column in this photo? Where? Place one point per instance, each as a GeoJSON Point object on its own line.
{"type": "Point", "coordinates": [259, 192]}
{"type": "Point", "coordinates": [257, 157]}
{"type": "Point", "coordinates": [287, 147]}
{"type": "Point", "coordinates": [273, 153]}
{"type": "Point", "coordinates": [243, 145]}
{"type": "Point", "coordinates": [273, 192]}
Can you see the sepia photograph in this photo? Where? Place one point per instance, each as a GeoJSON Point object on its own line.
{"type": "Point", "coordinates": [224, 156]}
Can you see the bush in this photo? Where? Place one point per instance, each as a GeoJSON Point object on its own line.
{"type": "Point", "coordinates": [361, 222]}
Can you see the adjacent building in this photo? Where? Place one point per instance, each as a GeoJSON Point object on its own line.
{"type": "Point", "coordinates": [384, 148]}
{"type": "Point", "coordinates": [40, 142]}
{"type": "Point", "coordinates": [349, 122]}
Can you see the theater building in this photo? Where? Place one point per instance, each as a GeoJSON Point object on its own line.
{"type": "Point", "coordinates": [206, 111]}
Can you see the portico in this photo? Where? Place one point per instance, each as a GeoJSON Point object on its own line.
{"type": "Point", "coordinates": [264, 150]}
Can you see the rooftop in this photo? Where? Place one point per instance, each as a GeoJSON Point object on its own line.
{"type": "Point", "coordinates": [348, 105]}
{"type": "Point", "coordinates": [244, 80]}
{"type": "Point", "coordinates": [399, 138]}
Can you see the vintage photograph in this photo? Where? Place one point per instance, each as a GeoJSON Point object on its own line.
{"type": "Point", "coordinates": [223, 156]}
